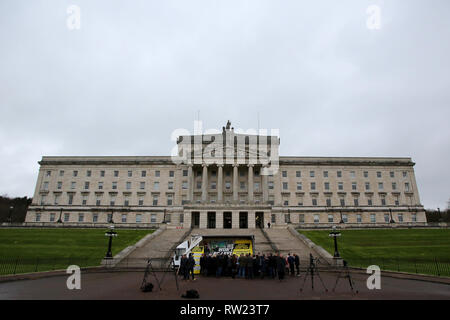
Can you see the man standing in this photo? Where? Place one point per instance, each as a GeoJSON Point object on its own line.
{"type": "Point", "coordinates": [297, 263]}
{"type": "Point", "coordinates": [291, 261]}
{"type": "Point", "coordinates": [183, 267]}
{"type": "Point", "coordinates": [190, 266]}
{"type": "Point", "coordinates": [281, 265]}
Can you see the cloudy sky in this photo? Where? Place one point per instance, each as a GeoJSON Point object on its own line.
{"type": "Point", "coordinates": [320, 72]}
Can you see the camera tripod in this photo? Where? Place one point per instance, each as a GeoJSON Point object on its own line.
{"type": "Point", "coordinates": [150, 270]}
{"type": "Point", "coordinates": [345, 273]}
{"type": "Point", "coordinates": [312, 269]}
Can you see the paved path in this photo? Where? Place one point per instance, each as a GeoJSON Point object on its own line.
{"type": "Point", "coordinates": [125, 285]}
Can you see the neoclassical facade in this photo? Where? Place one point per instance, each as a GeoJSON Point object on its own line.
{"type": "Point", "coordinates": [226, 180]}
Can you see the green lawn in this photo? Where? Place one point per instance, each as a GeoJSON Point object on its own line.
{"type": "Point", "coordinates": [424, 251]}
{"type": "Point", "coordinates": [28, 250]}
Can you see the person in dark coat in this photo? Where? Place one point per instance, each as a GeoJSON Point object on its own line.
{"type": "Point", "coordinates": [190, 266]}
{"type": "Point", "coordinates": [183, 267]}
{"type": "Point", "coordinates": [203, 264]}
{"type": "Point", "coordinates": [297, 263]}
{"type": "Point", "coordinates": [291, 261]}
{"type": "Point", "coordinates": [272, 265]}
{"type": "Point", "coordinates": [281, 266]}
{"type": "Point", "coordinates": [262, 266]}
{"type": "Point", "coordinates": [250, 269]}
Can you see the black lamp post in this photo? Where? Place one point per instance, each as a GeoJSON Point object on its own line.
{"type": "Point", "coordinates": [335, 234]}
{"type": "Point", "coordinates": [390, 214]}
{"type": "Point", "coordinates": [112, 217]}
{"type": "Point", "coordinates": [11, 208]}
{"type": "Point", "coordinates": [342, 220]}
{"type": "Point", "coordinates": [111, 233]}
{"type": "Point", "coordinates": [440, 215]}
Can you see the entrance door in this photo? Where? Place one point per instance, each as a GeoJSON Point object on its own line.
{"type": "Point", "coordinates": [195, 219]}
{"type": "Point", "coordinates": [211, 220]}
{"type": "Point", "coordinates": [259, 219]}
{"type": "Point", "coordinates": [227, 220]}
{"type": "Point", "coordinates": [243, 220]}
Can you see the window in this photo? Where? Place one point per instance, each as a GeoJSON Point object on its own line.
{"type": "Point", "coordinates": [313, 186]}
{"type": "Point", "coordinates": [143, 174]}
{"type": "Point", "coordinates": [330, 218]}
{"type": "Point", "coordinates": [126, 201]}
{"type": "Point", "coordinates": [124, 218]}
{"type": "Point", "coordinates": [61, 173]}
{"type": "Point", "coordinates": [66, 217]}
{"type": "Point", "coordinates": [112, 200]}
{"type": "Point", "coordinates": [181, 217]}
{"type": "Point", "coordinates": [57, 199]}
{"type": "Point", "coordinates": [301, 218]}
{"type": "Point", "coordinates": [256, 186]}
{"type": "Point", "coordinates": [299, 186]}
{"type": "Point", "coordinates": [153, 218]}
{"type": "Point", "coordinates": [271, 200]}
{"type": "Point", "coordinates": [95, 217]}
{"type": "Point", "coordinates": [378, 174]}
{"type": "Point", "coordinates": [352, 174]}
{"type": "Point", "coordinates": [116, 173]}
{"type": "Point", "coordinates": [59, 185]}
{"type": "Point", "coordinates": [86, 185]}
{"type": "Point", "coordinates": [199, 185]}
{"type": "Point", "coordinates": [405, 174]}
{"type": "Point", "coordinates": [354, 185]}
{"type": "Point", "coordinates": [169, 199]}
{"type": "Point", "coordinates": [312, 174]}
{"type": "Point", "coordinates": [314, 201]}
{"type": "Point", "coordinates": [109, 218]}
{"type": "Point", "coordinates": [273, 218]}
{"type": "Point", "coordinates": [242, 185]}
{"type": "Point", "coordinates": [392, 175]}
{"type": "Point", "coordinates": [356, 202]}
{"type": "Point", "coordinates": [287, 218]}
{"type": "Point", "coordinates": [141, 200]}
{"type": "Point", "coordinates": [84, 199]}
{"type": "Point", "coordinates": [157, 173]}
{"type": "Point", "coordinates": [48, 173]}
{"type": "Point", "coordinates": [98, 200]}
{"type": "Point", "coordinates": [373, 218]}
{"type": "Point", "coordinates": [358, 218]}
{"type": "Point", "coordinates": [400, 217]}
{"type": "Point", "coordinates": [114, 185]}
{"type": "Point", "coordinates": [52, 217]}
{"type": "Point", "coordinates": [213, 173]}
{"type": "Point", "coordinates": [75, 173]}
{"type": "Point", "coordinates": [339, 174]}
{"type": "Point", "coordinates": [380, 185]}
{"type": "Point", "coordinates": [45, 185]}
{"type": "Point", "coordinates": [128, 185]}
{"type": "Point", "coordinates": [366, 174]}
{"type": "Point", "coordinates": [316, 218]}
{"type": "Point", "coordinates": [138, 218]}
{"type": "Point", "coordinates": [298, 174]}
{"type": "Point", "coordinates": [242, 173]}
{"type": "Point", "coordinates": [213, 185]}
{"type": "Point", "coordinates": [340, 186]}
{"type": "Point", "coordinates": [100, 185]}
{"type": "Point", "coordinates": [414, 217]}
{"type": "Point", "coordinates": [344, 218]}
{"type": "Point", "coordinates": [369, 202]}
{"type": "Point", "coordinates": [43, 199]}
{"type": "Point", "coordinates": [386, 218]}
{"type": "Point", "coordinates": [155, 200]}
{"type": "Point", "coordinates": [228, 185]}
{"type": "Point", "coordinates": [394, 186]}
{"type": "Point", "coordinates": [328, 202]}
{"type": "Point", "coordinates": [406, 186]}
{"type": "Point", "coordinates": [156, 185]}
{"type": "Point", "coordinates": [80, 217]}
{"type": "Point", "coordinates": [185, 173]}
{"type": "Point", "coordinates": [383, 201]}
{"type": "Point", "coordinates": [285, 185]}
{"type": "Point", "coordinates": [70, 198]}
{"type": "Point", "coordinates": [270, 185]}
{"type": "Point", "coordinates": [284, 173]}
{"type": "Point", "coordinates": [38, 217]}
{"type": "Point", "coordinates": [88, 173]}
{"type": "Point", "coordinates": [325, 174]}
{"type": "Point", "coordinates": [130, 173]}
{"type": "Point", "coordinates": [171, 173]}
{"type": "Point", "coordinates": [72, 185]}
{"type": "Point", "coordinates": [342, 200]}
{"type": "Point", "coordinates": [102, 173]}
{"type": "Point", "coordinates": [184, 185]}
{"type": "Point", "coordinates": [367, 185]}
{"type": "Point", "coordinates": [142, 185]}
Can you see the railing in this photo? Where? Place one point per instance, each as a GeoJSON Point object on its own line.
{"type": "Point", "coordinates": [20, 265]}
{"type": "Point", "coordinates": [433, 267]}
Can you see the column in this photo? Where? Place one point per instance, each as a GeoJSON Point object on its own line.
{"type": "Point", "coordinates": [235, 183]}
{"type": "Point", "coordinates": [265, 189]}
{"type": "Point", "coordinates": [205, 183]}
{"type": "Point", "coordinates": [251, 219]}
{"type": "Point", "coordinates": [220, 184]}
{"type": "Point", "coordinates": [250, 184]}
{"type": "Point", "coordinates": [203, 220]}
{"type": "Point", "coordinates": [219, 219]}
{"type": "Point", "coordinates": [190, 185]}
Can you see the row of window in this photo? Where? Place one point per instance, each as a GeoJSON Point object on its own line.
{"type": "Point", "coordinates": [81, 217]}
{"type": "Point", "coordinates": [88, 173]}
{"type": "Point", "coordinates": [352, 174]}
{"type": "Point", "coordinates": [341, 186]}
{"type": "Point", "coordinates": [373, 218]}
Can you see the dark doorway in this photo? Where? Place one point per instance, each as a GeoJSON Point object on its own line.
{"type": "Point", "coordinates": [211, 220]}
{"type": "Point", "coordinates": [259, 219]}
{"type": "Point", "coordinates": [243, 220]}
{"type": "Point", "coordinates": [227, 220]}
{"type": "Point", "coordinates": [195, 219]}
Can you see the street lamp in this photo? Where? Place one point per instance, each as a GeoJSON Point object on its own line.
{"type": "Point", "coordinates": [111, 233]}
{"type": "Point", "coordinates": [60, 214]}
{"type": "Point", "coordinates": [440, 215]}
{"type": "Point", "coordinates": [335, 234]}
{"type": "Point", "coordinates": [11, 208]}
{"type": "Point", "coordinates": [342, 220]}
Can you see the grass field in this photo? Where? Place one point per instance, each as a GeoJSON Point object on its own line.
{"type": "Point", "coordinates": [424, 251]}
{"type": "Point", "coordinates": [30, 250]}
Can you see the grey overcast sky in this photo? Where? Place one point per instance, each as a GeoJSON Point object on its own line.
{"type": "Point", "coordinates": [137, 70]}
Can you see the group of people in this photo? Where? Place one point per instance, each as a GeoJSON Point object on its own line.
{"type": "Point", "coordinates": [242, 266]}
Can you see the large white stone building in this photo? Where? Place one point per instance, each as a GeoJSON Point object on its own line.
{"type": "Point", "coordinates": [226, 180]}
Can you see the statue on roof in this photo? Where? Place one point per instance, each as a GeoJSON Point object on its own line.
{"type": "Point", "coordinates": [228, 125]}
